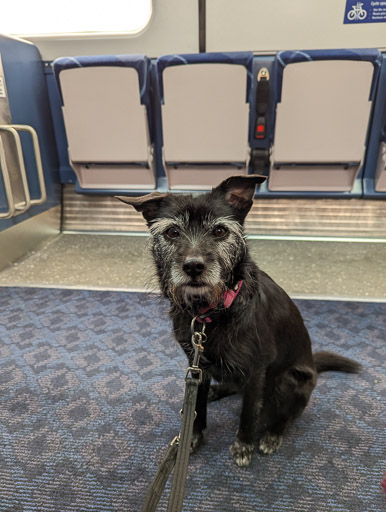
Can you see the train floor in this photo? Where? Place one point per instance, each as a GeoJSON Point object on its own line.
{"type": "Point", "coordinates": [91, 385]}
{"type": "Point", "coordinates": [304, 267]}
{"type": "Point", "coordinates": [91, 382]}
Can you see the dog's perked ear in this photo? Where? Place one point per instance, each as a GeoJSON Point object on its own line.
{"type": "Point", "coordinates": [148, 205]}
{"type": "Point", "coordinates": [240, 190]}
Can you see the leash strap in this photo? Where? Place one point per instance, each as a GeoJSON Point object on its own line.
{"type": "Point", "coordinates": [178, 454]}
{"type": "Point", "coordinates": [181, 469]}
{"type": "Point", "coordinates": [156, 489]}
{"type": "Point", "coordinates": [179, 449]}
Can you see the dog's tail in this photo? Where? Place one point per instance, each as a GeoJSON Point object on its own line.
{"type": "Point", "coordinates": [328, 361]}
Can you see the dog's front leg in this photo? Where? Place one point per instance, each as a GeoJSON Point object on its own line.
{"type": "Point", "coordinates": [201, 407]}
{"type": "Point", "coordinates": [244, 444]}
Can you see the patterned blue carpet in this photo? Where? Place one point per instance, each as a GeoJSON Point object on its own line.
{"type": "Point", "coordinates": [90, 392]}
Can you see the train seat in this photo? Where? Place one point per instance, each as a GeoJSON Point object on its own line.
{"type": "Point", "coordinates": [106, 111]}
{"type": "Point", "coordinates": [380, 175]}
{"type": "Point", "coordinates": [205, 117]}
{"type": "Point", "coordinates": [374, 180]}
{"type": "Point", "coordinates": [323, 108]}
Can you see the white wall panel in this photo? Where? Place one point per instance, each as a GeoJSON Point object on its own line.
{"type": "Point", "coordinates": [172, 29]}
{"type": "Point", "coordinates": [271, 25]}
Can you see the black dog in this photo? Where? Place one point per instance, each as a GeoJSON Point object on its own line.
{"type": "Point", "coordinates": [257, 343]}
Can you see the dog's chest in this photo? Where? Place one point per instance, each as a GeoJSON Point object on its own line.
{"type": "Point", "coordinates": [218, 364]}
{"type": "Point", "coordinates": [223, 356]}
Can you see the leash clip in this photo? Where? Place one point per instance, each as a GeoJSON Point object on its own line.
{"type": "Point", "coordinates": [194, 370]}
{"type": "Point", "coordinates": [176, 440]}
{"type": "Point", "coordinates": [198, 339]}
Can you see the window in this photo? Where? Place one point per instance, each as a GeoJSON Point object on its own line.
{"type": "Point", "coordinates": [86, 17]}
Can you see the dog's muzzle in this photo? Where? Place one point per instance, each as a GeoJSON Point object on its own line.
{"type": "Point", "coordinates": [193, 267]}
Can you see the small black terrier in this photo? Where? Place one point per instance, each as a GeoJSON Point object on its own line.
{"type": "Point", "coordinates": [257, 344]}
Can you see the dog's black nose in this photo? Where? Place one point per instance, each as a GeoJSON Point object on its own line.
{"type": "Point", "coordinates": [193, 267]}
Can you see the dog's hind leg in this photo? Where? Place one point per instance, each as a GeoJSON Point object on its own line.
{"type": "Point", "coordinates": [283, 402]}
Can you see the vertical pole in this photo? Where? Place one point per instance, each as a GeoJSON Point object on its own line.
{"type": "Point", "coordinates": [202, 25]}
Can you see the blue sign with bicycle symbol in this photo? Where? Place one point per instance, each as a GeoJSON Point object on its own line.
{"type": "Point", "coordinates": [365, 11]}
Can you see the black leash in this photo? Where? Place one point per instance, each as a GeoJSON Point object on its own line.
{"type": "Point", "coordinates": [156, 489]}
{"type": "Point", "coordinates": [179, 449]}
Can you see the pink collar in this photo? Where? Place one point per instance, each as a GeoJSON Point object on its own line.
{"type": "Point", "coordinates": [228, 297]}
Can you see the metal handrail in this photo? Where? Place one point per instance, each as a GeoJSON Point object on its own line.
{"type": "Point", "coordinates": [20, 208]}
{"type": "Point", "coordinates": [25, 205]}
{"type": "Point", "coordinates": [7, 185]}
{"type": "Point", "coordinates": [38, 160]}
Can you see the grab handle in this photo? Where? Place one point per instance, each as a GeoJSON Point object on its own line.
{"type": "Point", "coordinates": [7, 185]}
{"type": "Point", "coordinates": [38, 160]}
{"type": "Point", "coordinates": [23, 206]}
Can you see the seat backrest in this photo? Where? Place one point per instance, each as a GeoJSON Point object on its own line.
{"type": "Point", "coordinates": [104, 107]}
{"type": "Point", "coordinates": [374, 176]}
{"type": "Point", "coordinates": [205, 108]}
{"type": "Point", "coordinates": [324, 103]}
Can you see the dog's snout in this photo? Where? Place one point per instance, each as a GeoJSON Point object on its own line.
{"type": "Point", "coordinates": [193, 266]}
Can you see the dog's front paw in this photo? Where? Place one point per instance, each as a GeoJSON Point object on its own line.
{"type": "Point", "coordinates": [242, 452]}
{"type": "Point", "coordinates": [197, 440]}
{"type": "Point", "coordinates": [269, 443]}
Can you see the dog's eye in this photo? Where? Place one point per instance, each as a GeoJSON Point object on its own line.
{"type": "Point", "coordinates": [219, 231]}
{"type": "Point", "coordinates": [172, 233]}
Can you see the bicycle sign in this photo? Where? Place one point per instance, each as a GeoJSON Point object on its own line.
{"type": "Point", "coordinates": [365, 11]}
{"type": "Point", "coordinates": [357, 12]}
